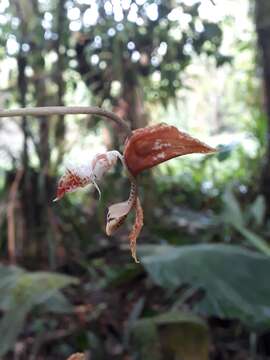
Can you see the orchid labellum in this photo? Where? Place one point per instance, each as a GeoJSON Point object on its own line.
{"type": "Point", "coordinates": [80, 176]}
{"type": "Point", "coordinates": [143, 149]}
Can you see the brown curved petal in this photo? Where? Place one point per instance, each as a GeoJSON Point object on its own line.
{"type": "Point", "coordinates": [153, 145]}
{"type": "Point", "coordinates": [117, 213]}
{"type": "Point", "coordinates": [116, 216]}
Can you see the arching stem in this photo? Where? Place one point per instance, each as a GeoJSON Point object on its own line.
{"type": "Point", "coordinates": [67, 110]}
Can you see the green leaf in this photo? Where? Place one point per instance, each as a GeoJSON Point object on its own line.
{"type": "Point", "coordinates": [255, 240]}
{"type": "Point", "coordinates": [172, 335]}
{"type": "Point", "coordinates": [20, 292]}
{"type": "Point", "coordinates": [225, 151]}
{"type": "Point", "coordinates": [257, 210]}
{"type": "Point", "coordinates": [233, 215]}
{"type": "Point", "coordinates": [8, 278]}
{"type": "Point", "coordinates": [58, 303]}
{"type": "Point", "coordinates": [234, 279]}
{"type": "Point", "coordinates": [212, 32]}
{"type": "Point", "coordinates": [232, 211]}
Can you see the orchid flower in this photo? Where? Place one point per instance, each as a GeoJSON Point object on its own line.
{"type": "Point", "coordinates": [83, 175]}
{"type": "Point", "coordinates": [143, 149]}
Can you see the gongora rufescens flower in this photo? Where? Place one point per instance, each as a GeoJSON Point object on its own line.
{"type": "Point", "coordinates": [144, 149]}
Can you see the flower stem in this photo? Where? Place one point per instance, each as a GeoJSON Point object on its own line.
{"type": "Point", "coordinates": [66, 110]}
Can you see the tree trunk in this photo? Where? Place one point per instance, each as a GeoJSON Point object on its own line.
{"type": "Point", "coordinates": [44, 160]}
{"type": "Point", "coordinates": [263, 31]}
{"type": "Point", "coordinates": [135, 111]}
{"type": "Point", "coordinates": [27, 186]}
{"type": "Point", "coordinates": [60, 129]}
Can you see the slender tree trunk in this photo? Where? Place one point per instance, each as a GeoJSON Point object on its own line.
{"type": "Point", "coordinates": [44, 159]}
{"type": "Point", "coordinates": [27, 194]}
{"type": "Point", "coordinates": [35, 193]}
{"type": "Point", "coordinates": [60, 128]}
{"type": "Point", "coordinates": [136, 114]}
{"type": "Point", "coordinates": [263, 31]}
{"type": "Point", "coordinates": [22, 85]}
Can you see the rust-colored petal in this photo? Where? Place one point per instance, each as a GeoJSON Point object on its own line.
{"type": "Point", "coordinates": [137, 227]}
{"type": "Point", "coordinates": [150, 146]}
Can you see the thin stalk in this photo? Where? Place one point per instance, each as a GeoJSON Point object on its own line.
{"type": "Point", "coordinates": [66, 110]}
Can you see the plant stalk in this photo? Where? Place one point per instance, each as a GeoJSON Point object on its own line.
{"type": "Point", "coordinates": [66, 110]}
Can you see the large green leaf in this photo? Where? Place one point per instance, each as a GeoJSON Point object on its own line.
{"type": "Point", "coordinates": [20, 292]}
{"type": "Point", "coordinates": [235, 280]}
{"type": "Point", "coordinates": [172, 335]}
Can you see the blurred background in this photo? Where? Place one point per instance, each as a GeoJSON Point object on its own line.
{"type": "Point", "coordinates": [201, 290]}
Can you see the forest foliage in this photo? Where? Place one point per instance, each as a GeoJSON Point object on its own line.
{"type": "Point", "coordinates": [65, 286]}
